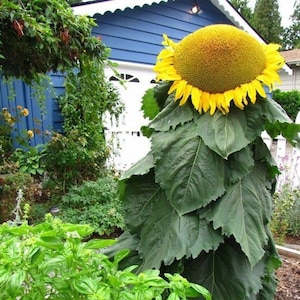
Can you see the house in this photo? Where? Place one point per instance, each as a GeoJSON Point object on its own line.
{"type": "Point", "coordinates": [133, 30]}
{"type": "Point", "coordinates": [289, 83]}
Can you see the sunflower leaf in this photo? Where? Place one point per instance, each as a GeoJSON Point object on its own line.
{"type": "Point", "coordinates": [187, 169]}
{"type": "Point", "coordinates": [141, 167]}
{"type": "Point", "coordinates": [164, 235]}
{"type": "Point", "coordinates": [238, 165]}
{"type": "Point", "coordinates": [167, 236]}
{"type": "Point", "coordinates": [226, 273]}
{"type": "Point", "coordinates": [173, 115]}
{"type": "Point", "coordinates": [246, 214]}
{"type": "Point", "coordinates": [224, 134]}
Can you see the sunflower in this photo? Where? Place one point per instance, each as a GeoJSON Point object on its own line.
{"type": "Point", "coordinates": [216, 65]}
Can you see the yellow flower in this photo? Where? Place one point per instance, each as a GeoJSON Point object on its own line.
{"type": "Point", "coordinates": [30, 134]}
{"type": "Point", "coordinates": [25, 112]}
{"type": "Point", "coordinates": [216, 65]}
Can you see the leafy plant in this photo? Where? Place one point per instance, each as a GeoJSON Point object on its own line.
{"type": "Point", "coordinates": [95, 203]}
{"type": "Point", "coordinates": [290, 102]}
{"type": "Point", "coordinates": [200, 202]}
{"type": "Point", "coordinates": [81, 151]}
{"type": "Point", "coordinates": [30, 160]}
{"type": "Point", "coordinates": [50, 261]}
{"type": "Point", "coordinates": [45, 35]}
{"type": "Point", "coordinates": [286, 215]}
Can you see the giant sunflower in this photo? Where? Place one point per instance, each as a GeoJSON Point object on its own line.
{"type": "Point", "coordinates": [216, 65]}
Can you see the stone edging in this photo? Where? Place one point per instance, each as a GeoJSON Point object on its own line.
{"type": "Point", "coordinates": [288, 252]}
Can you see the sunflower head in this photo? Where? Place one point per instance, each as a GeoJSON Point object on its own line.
{"type": "Point", "coordinates": [216, 65]}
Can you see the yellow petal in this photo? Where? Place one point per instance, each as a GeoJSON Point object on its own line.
{"type": "Point", "coordinates": [187, 93]}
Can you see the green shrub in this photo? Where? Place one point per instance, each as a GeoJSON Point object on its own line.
{"type": "Point", "coordinates": [290, 102]}
{"type": "Point", "coordinates": [50, 261]}
{"type": "Point", "coordinates": [95, 203]}
{"type": "Point", "coordinates": [286, 216]}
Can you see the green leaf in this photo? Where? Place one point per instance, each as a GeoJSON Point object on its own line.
{"type": "Point", "coordinates": [238, 165]}
{"type": "Point", "coordinates": [173, 115]}
{"type": "Point", "coordinates": [189, 172]}
{"type": "Point", "coordinates": [141, 167]}
{"type": "Point", "coordinates": [149, 104]}
{"type": "Point", "coordinates": [243, 212]}
{"type": "Point", "coordinates": [161, 93]}
{"type": "Point", "coordinates": [14, 283]}
{"type": "Point", "coordinates": [201, 290]}
{"type": "Point", "coordinates": [138, 193]}
{"type": "Point", "coordinates": [224, 134]}
{"type": "Point", "coordinates": [288, 130]}
{"type": "Point", "coordinates": [85, 286]}
{"type": "Point", "coordinates": [50, 242]}
{"type": "Point", "coordinates": [226, 273]}
{"type": "Point", "coordinates": [98, 244]}
{"type": "Point", "coordinates": [275, 113]}
{"type": "Point", "coordinates": [165, 235]}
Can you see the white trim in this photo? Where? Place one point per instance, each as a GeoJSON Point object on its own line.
{"type": "Point", "coordinates": [225, 7]}
{"type": "Point", "coordinates": [111, 6]}
{"type": "Point", "coordinates": [130, 65]}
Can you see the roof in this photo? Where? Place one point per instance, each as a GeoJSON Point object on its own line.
{"type": "Point", "coordinates": [92, 8]}
{"type": "Point", "coordinates": [101, 7]}
{"type": "Point", "coordinates": [291, 57]}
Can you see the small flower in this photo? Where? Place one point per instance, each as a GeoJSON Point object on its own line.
{"type": "Point", "coordinates": [30, 134]}
{"type": "Point", "coordinates": [216, 65]}
{"type": "Point", "coordinates": [25, 112]}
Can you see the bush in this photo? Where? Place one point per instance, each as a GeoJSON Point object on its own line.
{"type": "Point", "coordinates": [290, 102]}
{"type": "Point", "coordinates": [50, 261]}
{"type": "Point", "coordinates": [95, 203]}
{"type": "Point", "coordinates": [286, 216]}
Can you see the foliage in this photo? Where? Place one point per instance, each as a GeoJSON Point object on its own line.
{"type": "Point", "coordinates": [243, 8]}
{"type": "Point", "coordinates": [8, 122]}
{"type": "Point", "coordinates": [286, 216]}
{"type": "Point", "coordinates": [291, 35]}
{"type": "Point", "coordinates": [95, 203]}
{"type": "Point", "coordinates": [81, 151]}
{"type": "Point", "coordinates": [50, 261]}
{"type": "Point", "coordinates": [9, 187]}
{"type": "Point", "coordinates": [266, 20]}
{"type": "Point", "coordinates": [290, 102]}
{"type": "Point", "coordinates": [30, 160]}
{"type": "Point", "coordinates": [203, 194]}
{"type": "Point", "coordinates": [45, 35]}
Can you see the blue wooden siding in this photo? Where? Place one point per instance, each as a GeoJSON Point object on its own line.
{"type": "Point", "coordinates": [40, 120]}
{"type": "Point", "coordinates": [135, 35]}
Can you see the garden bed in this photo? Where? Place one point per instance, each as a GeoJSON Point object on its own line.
{"type": "Point", "coordinates": [288, 274]}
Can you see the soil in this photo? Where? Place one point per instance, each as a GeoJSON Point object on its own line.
{"type": "Point", "coordinates": [288, 276]}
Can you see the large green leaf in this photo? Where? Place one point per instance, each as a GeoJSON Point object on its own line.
{"type": "Point", "coordinates": [243, 212]}
{"type": "Point", "coordinates": [173, 115]}
{"type": "Point", "coordinates": [238, 165]}
{"type": "Point", "coordinates": [272, 262]}
{"type": "Point", "coordinates": [138, 200]}
{"type": "Point", "coordinates": [189, 172]}
{"type": "Point", "coordinates": [160, 92]}
{"type": "Point", "coordinates": [141, 167]}
{"type": "Point", "coordinates": [255, 118]}
{"type": "Point", "coordinates": [164, 234]}
{"type": "Point", "coordinates": [224, 134]}
{"type": "Point", "coordinates": [167, 236]}
{"type": "Point", "coordinates": [274, 112]}
{"type": "Point", "coordinates": [226, 273]}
